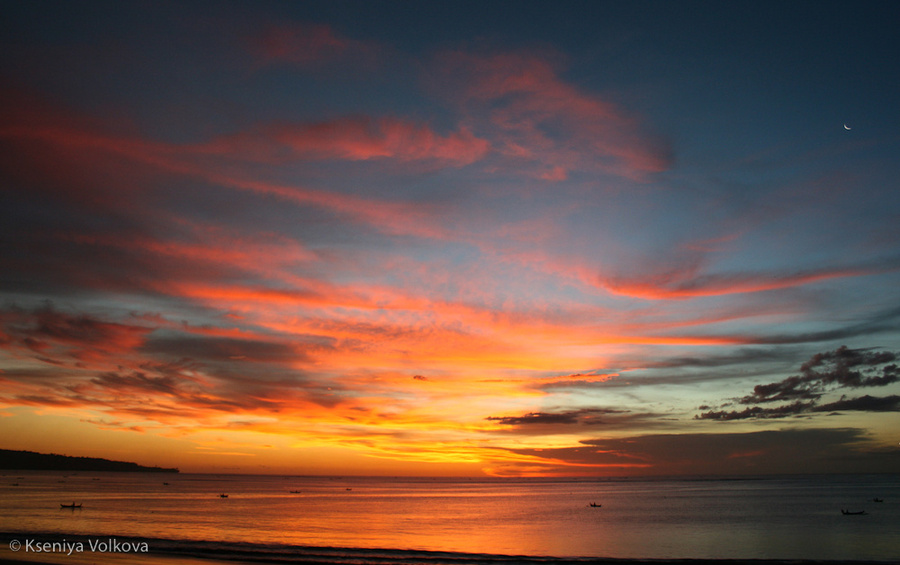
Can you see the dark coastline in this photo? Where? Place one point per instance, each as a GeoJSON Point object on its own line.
{"type": "Point", "coordinates": [32, 461]}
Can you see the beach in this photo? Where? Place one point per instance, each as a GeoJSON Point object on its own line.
{"type": "Point", "coordinates": [85, 550]}
{"type": "Point", "coordinates": [345, 556]}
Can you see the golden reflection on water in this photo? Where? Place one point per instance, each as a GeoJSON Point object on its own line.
{"type": "Point", "coordinates": [700, 519]}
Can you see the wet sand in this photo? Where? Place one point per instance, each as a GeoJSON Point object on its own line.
{"type": "Point", "coordinates": [418, 558]}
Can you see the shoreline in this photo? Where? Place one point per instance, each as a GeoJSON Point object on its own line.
{"type": "Point", "coordinates": [169, 552]}
{"type": "Point", "coordinates": [30, 548]}
{"type": "Point", "coordinates": [171, 559]}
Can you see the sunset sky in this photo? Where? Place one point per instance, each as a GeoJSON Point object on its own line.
{"type": "Point", "coordinates": [452, 238]}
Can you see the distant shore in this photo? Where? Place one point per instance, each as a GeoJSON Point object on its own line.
{"type": "Point", "coordinates": [11, 460]}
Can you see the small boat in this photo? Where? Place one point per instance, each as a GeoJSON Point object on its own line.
{"type": "Point", "coordinates": [877, 500]}
{"type": "Point", "coordinates": [165, 484]}
{"type": "Point", "coordinates": [594, 505]}
{"type": "Point", "coordinates": [72, 506]}
{"type": "Point", "coordinates": [223, 495]}
{"type": "Point", "coordinates": [296, 491]}
{"type": "Point", "coordinates": [848, 513]}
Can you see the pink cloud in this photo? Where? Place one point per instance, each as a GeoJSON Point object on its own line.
{"type": "Point", "coordinates": [84, 163]}
{"type": "Point", "coordinates": [688, 283]}
{"type": "Point", "coordinates": [357, 138]}
{"type": "Point", "coordinates": [307, 44]}
{"type": "Point", "coordinates": [536, 117]}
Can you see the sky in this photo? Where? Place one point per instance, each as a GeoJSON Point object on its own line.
{"type": "Point", "coordinates": [504, 239]}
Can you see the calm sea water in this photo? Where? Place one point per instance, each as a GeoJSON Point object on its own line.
{"type": "Point", "coordinates": [764, 518]}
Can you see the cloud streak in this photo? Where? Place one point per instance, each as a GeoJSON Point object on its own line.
{"type": "Point", "coordinates": [825, 372]}
{"type": "Point", "coordinates": [357, 138]}
{"type": "Point", "coordinates": [690, 284]}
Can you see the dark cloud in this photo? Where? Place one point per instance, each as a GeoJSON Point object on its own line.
{"type": "Point", "coordinates": [883, 322]}
{"type": "Point", "coordinates": [739, 357]}
{"type": "Point", "coordinates": [60, 337]}
{"type": "Point", "coordinates": [758, 412]}
{"type": "Point", "coordinates": [73, 258]}
{"type": "Point", "coordinates": [683, 370]}
{"type": "Point", "coordinates": [46, 323]}
{"type": "Point", "coordinates": [536, 418]}
{"type": "Point", "coordinates": [748, 362]}
{"type": "Point", "coordinates": [864, 403]}
{"type": "Point", "coordinates": [39, 400]}
{"type": "Point", "coordinates": [224, 349]}
{"type": "Point", "coordinates": [838, 365]}
{"type": "Point", "coordinates": [628, 380]}
{"type": "Point", "coordinates": [790, 388]}
{"type": "Point", "coordinates": [843, 367]}
{"type": "Point", "coordinates": [138, 381]}
{"type": "Point", "coordinates": [144, 367]}
{"type": "Point", "coordinates": [782, 451]}
{"type": "Point", "coordinates": [823, 373]}
{"type": "Point", "coordinates": [583, 416]}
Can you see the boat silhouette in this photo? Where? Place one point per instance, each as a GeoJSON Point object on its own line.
{"type": "Point", "coordinates": [73, 506]}
{"type": "Point", "coordinates": [848, 513]}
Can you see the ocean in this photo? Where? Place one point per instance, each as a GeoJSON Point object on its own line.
{"type": "Point", "coordinates": [783, 518]}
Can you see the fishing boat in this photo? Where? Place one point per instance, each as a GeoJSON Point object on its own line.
{"type": "Point", "coordinates": [72, 506]}
{"type": "Point", "coordinates": [848, 513]}
{"type": "Point", "coordinates": [594, 505]}
{"type": "Point", "coordinates": [223, 496]}
{"type": "Point", "coordinates": [877, 500]}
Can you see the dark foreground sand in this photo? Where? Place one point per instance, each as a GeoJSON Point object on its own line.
{"type": "Point", "coordinates": [9, 558]}
{"type": "Point", "coordinates": [24, 549]}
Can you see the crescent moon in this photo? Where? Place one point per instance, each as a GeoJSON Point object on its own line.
{"type": "Point", "coordinates": [846, 127]}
